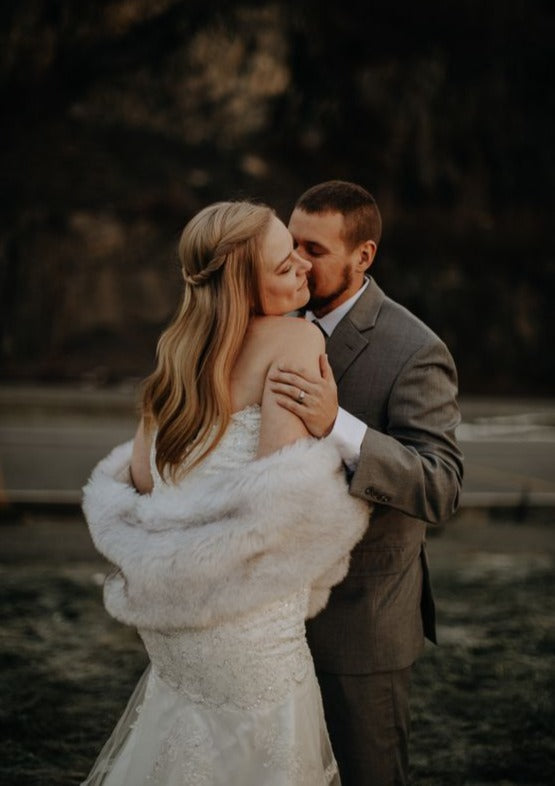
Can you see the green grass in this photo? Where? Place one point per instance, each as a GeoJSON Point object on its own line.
{"type": "Point", "coordinates": [483, 700]}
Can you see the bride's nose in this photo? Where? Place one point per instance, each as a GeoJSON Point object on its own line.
{"type": "Point", "coordinates": [303, 265]}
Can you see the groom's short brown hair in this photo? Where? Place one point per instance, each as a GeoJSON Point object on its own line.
{"type": "Point", "coordinates": [357, 205]}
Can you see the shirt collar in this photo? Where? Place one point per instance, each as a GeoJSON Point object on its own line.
{"type": "Point", "coordinates": [330, 321]}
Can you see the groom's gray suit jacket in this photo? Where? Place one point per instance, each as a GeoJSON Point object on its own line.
{"type": "Point", "coordinates": [395, 374]}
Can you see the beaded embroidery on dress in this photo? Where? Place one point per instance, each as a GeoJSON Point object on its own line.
{"type": "Point", "coordinates": [234, 704]}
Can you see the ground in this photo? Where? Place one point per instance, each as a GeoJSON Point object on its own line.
{"type": "Point", "coordinates": [483, 709]}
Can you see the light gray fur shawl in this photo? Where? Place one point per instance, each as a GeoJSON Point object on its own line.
{"type": "Point", "coordinates": [202, 553]}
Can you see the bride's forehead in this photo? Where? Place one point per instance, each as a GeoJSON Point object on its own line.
{"type": "Point", "coordinates": [277, 243]}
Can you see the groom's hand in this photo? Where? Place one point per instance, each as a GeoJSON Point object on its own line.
{"type": "Point", "coordinates": [312, 398]}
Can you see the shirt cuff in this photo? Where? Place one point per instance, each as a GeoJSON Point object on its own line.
{"type": "Point", "coordinates": [347, 435]}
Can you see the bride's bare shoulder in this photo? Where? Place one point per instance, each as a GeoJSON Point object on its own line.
{"type": "Point", "coordinates": [281, 331]}
{"type": "Point", "coordinates": [290, 341]}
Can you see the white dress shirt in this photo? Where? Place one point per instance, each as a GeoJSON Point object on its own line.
{"type": "Point", "coordinates": [347, 432]}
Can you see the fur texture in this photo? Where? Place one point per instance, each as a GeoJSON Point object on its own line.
{"type": "Point", "coordinates": [200, 554]}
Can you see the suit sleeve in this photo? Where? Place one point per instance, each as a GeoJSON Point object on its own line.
{"type": "Point", "coordinates": [416, 466]}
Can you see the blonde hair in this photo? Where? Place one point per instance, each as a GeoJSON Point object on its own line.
{"type": "Point", "coordinates": [188, 396]}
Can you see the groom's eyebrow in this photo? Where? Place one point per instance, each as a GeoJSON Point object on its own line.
{"type": "Point", "coordinates": [317, 244]}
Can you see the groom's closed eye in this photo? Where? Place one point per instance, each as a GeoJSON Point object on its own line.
{"type": "Point", "coordinates": [315, 250]}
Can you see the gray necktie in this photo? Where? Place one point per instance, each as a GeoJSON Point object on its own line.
{"type": "Point", "coordinates": [318, 325]}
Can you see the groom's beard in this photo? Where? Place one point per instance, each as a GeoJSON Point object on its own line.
{"type": "Point", "coordinates": [318, 302]}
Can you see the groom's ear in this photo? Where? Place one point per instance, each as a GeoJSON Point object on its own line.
{"type": "Point", "coordinates": [367, 252]}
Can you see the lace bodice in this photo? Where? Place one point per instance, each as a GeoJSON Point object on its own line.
{"type": "Point", "coordinates": [237, 447]}
{"type": "Point", "coordinates": [246, 663]}
{"type": "Point", "coordinates": [255, 658]}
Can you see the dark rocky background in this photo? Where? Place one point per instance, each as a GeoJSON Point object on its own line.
{"type": "Point", "coordinates": [123, 117]}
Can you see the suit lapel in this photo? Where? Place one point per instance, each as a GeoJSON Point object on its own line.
{"type": "Point", "coordinates": [347, 340]}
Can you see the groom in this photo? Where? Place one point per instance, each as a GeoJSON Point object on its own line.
{"type": "Point", "coordinates": [395, 428]}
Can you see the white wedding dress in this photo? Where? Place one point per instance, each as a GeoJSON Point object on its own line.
{"type": "Point", "coordinates": [235, 704]}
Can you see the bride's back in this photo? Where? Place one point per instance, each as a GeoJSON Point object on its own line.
{"type": "Point", "coordinates": [269, 341]}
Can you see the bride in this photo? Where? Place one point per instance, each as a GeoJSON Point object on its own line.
{"type": "Point", "coordinates": [227, 525]}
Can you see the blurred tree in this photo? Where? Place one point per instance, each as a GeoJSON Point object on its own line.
{"type": "Point", "coordinates": [123, 117]}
